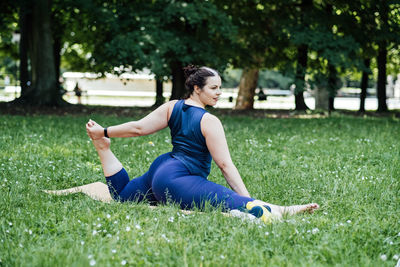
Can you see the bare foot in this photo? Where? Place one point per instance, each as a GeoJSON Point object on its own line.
{"type": "Point", "coordinates": [101, 143]}
{"type": "Point", "coordinates": [291, 210]}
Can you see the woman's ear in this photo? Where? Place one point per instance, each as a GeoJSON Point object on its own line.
{"type": "Point", "coordinates": [197, 89]}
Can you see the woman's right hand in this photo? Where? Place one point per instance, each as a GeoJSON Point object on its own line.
{"type": "Point", "coordinates": [94, 130]}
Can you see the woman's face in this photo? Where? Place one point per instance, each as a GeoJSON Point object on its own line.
{"type": "Point", "coordinates": [211, 91]}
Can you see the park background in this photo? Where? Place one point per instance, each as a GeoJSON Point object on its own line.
{"type": "Point", "coordinates": [323, 49]}
{"type": "Point", "coordinates": [327, 131]}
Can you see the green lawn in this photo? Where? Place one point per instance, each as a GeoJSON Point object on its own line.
{"type": "Point", "coordinates": [350, 166]}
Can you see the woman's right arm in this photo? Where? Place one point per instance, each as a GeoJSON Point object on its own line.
{"type": "Point", "coordinates": [153, 122]}
{"type": "Point", "coordinates": [216, 143]}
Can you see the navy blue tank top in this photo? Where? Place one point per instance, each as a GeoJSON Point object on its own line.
{"type": "Point", "coordinates": [189, 143]}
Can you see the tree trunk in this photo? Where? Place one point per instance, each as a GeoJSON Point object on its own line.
{"type": "Point", "coordinates": [332, 85]}
{"type": "Point", "coordinates": [382, 58]}
{"type": "Point", "coordinates": [44, 87]}
{"type": "Point", "coordinates": [381, 87]}
{"type": "Point", "coordinates": [247, 89]}
{"type": "Point", "coordinates": [178, 81]}
{"type": "Point", "coordinates": [25, 20]}
{"type": "Point", "coordinates": [57, 56]}
{"type": "Point", "coordinates": [331, 105]}
{"type": "Point", "coordinates": [300, 77]}
{"type": "Point", "coordinates": [159, 92]}
{"type": "Point", "coordinates": [364, 84]}
{"type": "Point", "coordinates": [321, 98]}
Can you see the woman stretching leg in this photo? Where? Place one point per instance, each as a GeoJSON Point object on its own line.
{"type": "Point", "coordinates": [181, 175]}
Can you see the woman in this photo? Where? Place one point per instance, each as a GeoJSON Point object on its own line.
{"type": "Point", "coordinates": [181, 175]}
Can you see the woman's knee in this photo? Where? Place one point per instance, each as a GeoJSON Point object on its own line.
{"type": "Point", "coordinates": [117, 182]}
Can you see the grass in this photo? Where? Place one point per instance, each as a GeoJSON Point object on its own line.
{"type": "Point", "coordinates": [349, 165]}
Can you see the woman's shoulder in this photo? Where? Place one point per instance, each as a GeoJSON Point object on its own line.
{"type": "Point", "coordinates": [211, 125]}
{"type": "Point", "coordinates": [170, 107]}
{"type": "Point", "coordinates": [210, 117]}
{"type": "Point", "coordinates": [209, 121]}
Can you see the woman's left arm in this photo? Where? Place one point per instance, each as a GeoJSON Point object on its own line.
{"type": "Point", "coordinates": [214, 134]}
{"type": "Point", "coordinates": [153, 122]}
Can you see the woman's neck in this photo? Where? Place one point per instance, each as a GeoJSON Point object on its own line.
{"type": "Point", "coordinates": [194, 101]}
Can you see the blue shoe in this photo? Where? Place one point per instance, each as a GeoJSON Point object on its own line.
{"type": "Point", "coordinates": [260, 211]}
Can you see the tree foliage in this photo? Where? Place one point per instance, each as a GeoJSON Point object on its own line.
{"type": "Point", "coordinates": [314, 42]}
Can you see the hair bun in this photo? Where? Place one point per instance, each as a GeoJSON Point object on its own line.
{"type": "Point", "coordinates": [189, 70]}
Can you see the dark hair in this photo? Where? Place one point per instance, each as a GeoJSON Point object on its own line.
{"type": "Point", "coordinates": [197, 76]}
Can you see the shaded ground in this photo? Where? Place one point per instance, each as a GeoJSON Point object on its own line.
{"type": "Point", "coordinates": [7, 108]}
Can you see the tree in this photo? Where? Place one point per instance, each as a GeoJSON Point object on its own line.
{"type": "Point", "coordinates": [364, 84]}
{"type": "Point", "coordinates": [301, 27]}
{"type": "Point", "coordinates": [38, 79]}
{"type": "Point", "coordinates": [44, 89]}
{"type": "Point", "coordinates": [257, 43]}
{"type": "Point", "coordinates": [186, 32]}
{"type": "Point", "coordinates": [383, 9]}
{"type": "Point", "coordinates": [163, 36]}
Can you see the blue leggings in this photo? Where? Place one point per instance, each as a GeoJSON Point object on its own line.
{"type": "Point", "coordinates": [168, 179]}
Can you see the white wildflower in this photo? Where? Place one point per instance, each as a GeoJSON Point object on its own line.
{"type": "Point", "coordinates": [348, 221]}
{"type": "Point", "coordinates": [114, 251]}
{"type": "Point", "coordinates": [137, 226]}
{"type": "Point", "coordinates": [222, 257]}
{"type": "Point", "coordinates": [94, 232]}
{"type": "Point", "coordinates": [82, 243]}
{"type": "Point", "coordinates": [166, 239]}
{"type": "Point", "coordinates": [127, 217]}
{"type": "Point", "coordinates": [315, 230]}
{"type": "Point", "coordinates": [92, 262]}
{"type": "Point", "coordinates": [108, 216]}
{"type": "Point", "coordinates": [127, 228]}
{"type": "Point", "coordinates": [123, 262]}
{"type": "Point", "coordinates": [266, 233]}
{"type": "Point", "coordinates": [396, 256]}
{"type": "Point", "coordinates": [171, 219]}
{"type": "Point", "coordinates": [90, 256]}
{"type": "Point", "coordinates": [383, 257]}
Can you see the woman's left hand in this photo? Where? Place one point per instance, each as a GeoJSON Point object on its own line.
{"type": "Point", "coordinates": [94, 130]}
